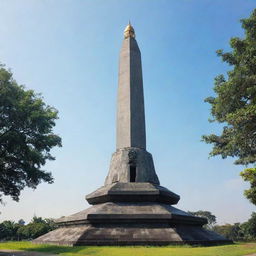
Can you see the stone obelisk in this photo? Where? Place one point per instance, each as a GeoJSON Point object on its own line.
{"type": "Point", "coordinates": [131, 130]}
{"type": "Point", "coordinates": [131, 208]}
{"type": "Point", "coordinates": [131, 162]}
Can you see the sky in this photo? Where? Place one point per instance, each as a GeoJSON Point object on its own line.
{"type": "Point", "coordinates": [68, 50]}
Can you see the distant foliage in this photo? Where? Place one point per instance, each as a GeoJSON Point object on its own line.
{"type": "Point", "coordinates": [10, 230]}
{"type": "Point", "coordinates": [249, 227]}
{"type": "Point", "coordinates": [250, 176]}
{"type": "Point", "coordinates": [236, 232]}
{"type": "Point", "coordinates": [230, 231]}
{"type": "Point", "coordinates": [234, 104]}
{"type": "Point", "coordinates": [239, 231]}
{"type": "Point", "coordinates": [208, 215]}
{"type": "Point", "coordinates": [26, 137]}
{"type": "Point", "coordinates": [21, 222]}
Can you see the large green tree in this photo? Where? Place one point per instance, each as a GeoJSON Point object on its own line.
{"type": "Point", "coordinates": [26, 137]}
{"type": "Point", "coordinates": [234, 104]}
{"type": "Point", "coordinates": [208, 215]}
{"type": "Point", "coordinates": [237, 231]}
{"type": "Point", "coordinates": [37, 227]}
{"type": "Point", "coordinates": [249, 227]}
{"type": "Point", "coordinates": [231, 231]}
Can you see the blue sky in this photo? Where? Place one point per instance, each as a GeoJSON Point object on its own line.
{"type": "Point", "coordinates": [68, 51]}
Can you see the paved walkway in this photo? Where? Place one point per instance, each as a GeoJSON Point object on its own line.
{"type": "Point", "coordinates": [22, 253]}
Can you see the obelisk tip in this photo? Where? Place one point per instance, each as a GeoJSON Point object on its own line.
{"type": "Point", "coordinates": [129, 31]}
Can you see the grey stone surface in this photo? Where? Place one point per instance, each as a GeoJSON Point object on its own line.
{"type": "Point", "coordinates": [121, 161]}
{"type": "Point", "coordinates": [130, 212]}
{"type": "Point", "coordinates": [131, 234]}
{"type": "Point", "coordinates": [131, 224]}
{"type": "Point", "coordinates": [132, 192]}
{"type": "Point", "coordinates": [130, 103]}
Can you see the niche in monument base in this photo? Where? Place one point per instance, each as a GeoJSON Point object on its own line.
{"type": "Point", "coordinates": [132, 173]}
{"type": "Point", "coordinates": [131, 208]}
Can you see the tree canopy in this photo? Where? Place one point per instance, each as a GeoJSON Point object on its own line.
{"type": "Point", "coordinates": [238, 231]}
{"type": "Point", "coordinates": [234, 104]}
{"type": "Point", "coordinates": [208, 215]}
{"type": "Point", "coordinates": [26, 137]}
{"type": "Point", "coordinates": [249, 175]}
{"type": "Point", "coordinates": [9, 230]}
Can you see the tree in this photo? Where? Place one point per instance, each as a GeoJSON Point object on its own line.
{"type": "Point", "coordinates": [26, 137]}
{"type": "Point", "coordinates": [208, 215]}
{"type": "Point", "coordinates": [37, 220]}
{"type": "Point", "coordinates": [8, 230]}
{"type": "Point", "coordinates": [21, 222]}
{"type": "Point", "coordinates": [237, 231]}
{"type": "Point", "coordinates": [250, 175]}
{"type": "Point", "coordinates": [232, 232]}
{"type": "Point", "coordinates": [249, 227]}
{"type": "Point", "coordinates": [235, 102]}
{"type": "Point", "coordinates": [37, 227]}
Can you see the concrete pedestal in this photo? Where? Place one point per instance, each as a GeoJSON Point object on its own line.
{"type": "Point", "coordinates": [131, 224]}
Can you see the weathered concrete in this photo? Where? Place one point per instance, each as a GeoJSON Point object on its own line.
{"type": "Point", "coordinates": [121, 161]}
{"type": "Point", "coordinates": [131, 234]}
{"type": "Point", "coordinates": [131, 223]}
{"type": "Point", "coordinates": [128, 212]}
{"type": "Point", "coordinates": [130, 104]}
{"type": "Point", "coordinates": [132, 192]}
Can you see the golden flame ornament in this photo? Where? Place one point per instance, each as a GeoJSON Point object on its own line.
{"type": "Point", "coordinates": [129, 31]}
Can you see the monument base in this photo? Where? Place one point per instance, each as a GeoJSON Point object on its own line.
{"type": "Point", "coordinates": [127, 223]}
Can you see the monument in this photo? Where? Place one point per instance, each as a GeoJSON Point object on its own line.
{"type": "Point", "coordinates": [131, 208]}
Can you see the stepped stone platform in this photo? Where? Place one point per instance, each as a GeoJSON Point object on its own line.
{"type": "Point", "coordinates": [128, 192]}
{"type": "Point", "coordinates": [132, 223]}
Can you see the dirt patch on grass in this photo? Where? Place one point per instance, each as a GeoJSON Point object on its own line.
{"type": "Point", "coordinates": [249, 245]}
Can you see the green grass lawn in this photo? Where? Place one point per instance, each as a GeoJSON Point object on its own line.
{"type": "Point", "coordinates": [237, 249]}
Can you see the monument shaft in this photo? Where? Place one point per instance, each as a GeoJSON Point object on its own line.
{"type": "Point", "coordinates": [131, 162]}
{"type": "Point", "coordinates": [130, 106]}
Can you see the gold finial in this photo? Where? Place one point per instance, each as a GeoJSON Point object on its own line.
{"type": "Point", "coordinates": [129, 31]}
